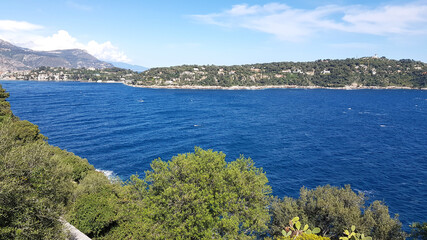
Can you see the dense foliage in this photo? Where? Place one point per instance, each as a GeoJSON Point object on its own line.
{"type": "Point", "coordinates": [373, 71]}
{"type": "Point", "coordinates": [95, 208]}
{"type": "Point", "coordinates": [5, 111]}
{"type": "Point", "coordinates": [208, 198]}
{"type": "Point", "coordinates": [335, 210]}
{"type": "Point", "coordinates": [419, 231]}
{"type": "Point", "coordinates": [193, 196]}
{"type": "Point", "coordinates": [36, 180]}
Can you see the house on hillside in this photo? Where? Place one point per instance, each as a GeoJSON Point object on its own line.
{"type": "Point", "coordinates": [325, 72]}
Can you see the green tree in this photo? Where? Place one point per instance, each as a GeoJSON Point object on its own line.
{"type": "Point", "coordinates": [5, 111]}
{"type": "Point", "coordinates": [201, 196]}
{"type": "Point", "coordinates": [419, 231]}
{"type": "Point", "coordinates": [334, 210]}
{"type": "Point", "coordinates": [95, 208]}
{"type": "Point", "coordinates": [34, 188]}
{"type": "Point", "coordinates": [80, 167]}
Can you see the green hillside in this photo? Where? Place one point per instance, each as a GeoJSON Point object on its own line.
{"type": "Point", "coordinates": [371, 71]}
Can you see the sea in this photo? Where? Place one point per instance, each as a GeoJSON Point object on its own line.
{"type": "Point", "coordinates": [374, 140]}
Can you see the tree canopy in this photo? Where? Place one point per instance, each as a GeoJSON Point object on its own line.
{"type": "Point", "coordinates": [334, 210]}
{"type": "Point", "coordinates": [196, 196]}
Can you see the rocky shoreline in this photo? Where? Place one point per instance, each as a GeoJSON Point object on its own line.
{"type": "Point", "coordinates": [195, 87]}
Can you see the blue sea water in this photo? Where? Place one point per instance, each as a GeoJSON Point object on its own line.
{"type": "Point", "coordinates": [374, 140]}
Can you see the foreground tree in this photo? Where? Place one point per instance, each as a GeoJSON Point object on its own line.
{"type": "Point", "coordinates": [36, 180]}
{"type": "Point", "coordinates": [199, 196]}
{"type": "Point", "coordinates": [334, 210]}
{"type": "Point", "coordinates": [95, 209]}
{"type": "Point", "coordinates": [34, 188]}
{"type": "Point", "coordinates": [419, 231]}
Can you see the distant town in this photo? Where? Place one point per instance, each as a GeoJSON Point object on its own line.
{"type": "Point", "coordinates": [77, 74]}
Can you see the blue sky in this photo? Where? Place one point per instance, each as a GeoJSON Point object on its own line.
{"type": "Point", "coordinates": [222, 32]}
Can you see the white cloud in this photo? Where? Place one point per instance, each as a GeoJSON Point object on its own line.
{"type": "Point", "coordinates": [293, 24]}
{"type": "Point", "coordinates": [59, 40]}
{"type": "Point", "coordinates": [243, 9]}
{"type": "Point", "coordinates": [106, 51]}
{"type": "Point", "coordinates": [13, 26]}
{"type": "Point", "coordinates": [63, 40]}
{"type": "Point", "coordinates": [23, 35]}
{"type": "Point", "coordinates": [389, 20]}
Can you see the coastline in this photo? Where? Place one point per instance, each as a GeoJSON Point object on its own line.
{"type": "Point", "coordinates": [197, 87]}
{"type": "Point", "coordinates": [26, 80]}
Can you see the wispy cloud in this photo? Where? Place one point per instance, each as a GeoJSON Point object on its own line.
{"type": "Point", "coordinates": [293, 24]}
{"type": "Point", "coordinates": [23, 34]}
{"type": "Point", "coordinates": [14, 26]}
{"type": "Point", "coordinates": [353, 45]}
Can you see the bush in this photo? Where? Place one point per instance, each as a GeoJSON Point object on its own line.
{"type": "Point", "coordinates": [34, 187]}
{"type": "Point", "coordinates": [379, 223]}
{"type": "Point", "coordinates": [419, 231]}
{"type": "Point", "coordinates": [334, 210]}
{"type": "Point", "coordinates": [304, 237]}
{"type": "Point", "coordinates": [95, 209]}
{"type": "Point", "coordinates": [14, 133]}
{"type": "Point", "coordinates": [80, 167]}
{"type": "Point", "coordinates": [4, 110]}
{"type": "Point", "coordinates": [25, 132]}
{"type": "Point", "coordinates": [94, 214]}
{"type": "Point", "coordinates": [3, 93]}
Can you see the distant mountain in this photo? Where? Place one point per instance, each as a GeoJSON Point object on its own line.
{"type": "Point", "coordinates": [15, 58]}
{"type": "Point", "coordinates": [132, 67]}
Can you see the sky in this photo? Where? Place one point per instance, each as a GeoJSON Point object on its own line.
{"type": "Point", "coordinates": [164, 33]}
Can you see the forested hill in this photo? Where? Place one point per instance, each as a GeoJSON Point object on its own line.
{"type": "Point", "coordinates": [368, 71]}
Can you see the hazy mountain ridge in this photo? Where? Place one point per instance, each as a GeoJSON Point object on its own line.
{"type": "Point", "coordinates": [14, 58]}
{"type": "Point", "coordinates": [132, 67]}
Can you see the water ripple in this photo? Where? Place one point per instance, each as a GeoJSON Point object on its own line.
{"type": "Point", "coordinates": [373, 140]}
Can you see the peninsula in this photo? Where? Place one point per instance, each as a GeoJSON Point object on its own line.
{"type": "Point", "coordinates": [367, 72]}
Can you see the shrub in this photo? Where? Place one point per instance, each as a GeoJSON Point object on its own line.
{"type": "Point", "coordinates": [379, 223]}
{"type": "Point", "coordinates": [304, 237]}
{"type": "Point", "coordinates": [95, 209]}
{"type": "Point", "coordinates": [94, 214]}
{"type": "Point", "coordinates": [419, 231]}
{"type": "Point", "coordinates": [34, 187]}
{"type": "Point", "coordinates": [334, 210]}
{"type": "Point", "coordinates": [354, 235]}
{"type": "Point", "coordinates": [80, 167]}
